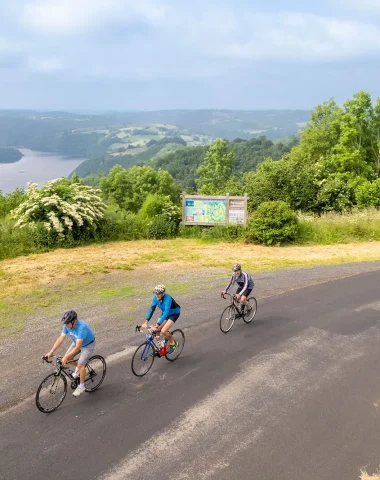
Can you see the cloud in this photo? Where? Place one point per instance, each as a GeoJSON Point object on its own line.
{"type": "Point", "coordinates": [9, 47]}
{"type": "Point", "coordinates": [364, 6]}
{"type": "Point", "coordinates": [44, 65]}
{"type": "Point", "coordinates": [57, 17]}
{"type": "Point", "coordinates": [301, 38]}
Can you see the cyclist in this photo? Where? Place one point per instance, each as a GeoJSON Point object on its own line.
{"type": "Point", "coordinates": [245, 285]}
{"type": "Point", "coordinates": [83, 341]}
{"type": "Point", "coordinates": [170, 314]}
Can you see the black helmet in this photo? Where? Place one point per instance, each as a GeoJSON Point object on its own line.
{"type": "Point", "coordinates": [69, 316]}
{"type": "Point", "coordinates": [236, 267]}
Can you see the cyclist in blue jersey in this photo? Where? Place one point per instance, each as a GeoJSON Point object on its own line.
{"type": "Point", "coordinates": [83, 341]}
{"type": "Point", "coordinates": [244, 282]}
{"type": "Point", "coordinates": [170, 314]}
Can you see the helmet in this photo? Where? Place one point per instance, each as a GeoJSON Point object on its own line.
{"type": "Point", "coordinates": [159, 289]}
{"type": "Point", "coordinates": [236, 267]}
{"type": "Point", "coordinates": [69, 316]}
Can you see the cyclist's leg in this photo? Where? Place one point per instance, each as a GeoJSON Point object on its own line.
{"type": "Point", "coordinates": [69, 350]}
{"type": "Point", "coordinates": [85, 354]}
{"type": "Point", "coordinates": [243, 298]}
{"type": "Point", "coordinates": [167, 324]}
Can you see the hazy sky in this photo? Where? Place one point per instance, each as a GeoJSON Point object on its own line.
{"type": "Point", "coordinates": [164, 54]}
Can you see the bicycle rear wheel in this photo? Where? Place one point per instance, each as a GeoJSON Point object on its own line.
{"type": "Point", "coordinates": [51, 392]}
{"type": "Point", "coordinates": [227, 319]}
{"type": "Point", "coordinates": [96, 369]}
{"type": "Point", "coordinates": [143, 359]}
{"type": "Point", "coordinates": [250, 310]}
{"type": "Point", "coordinates": [179, 337]}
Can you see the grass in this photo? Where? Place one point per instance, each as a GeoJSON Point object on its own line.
{"type": "Point", "coordinates": [361, 225]}
{"type": "Point", "coordinates": [44, 284]}
{"type": "Point", "coordinates": [114, 292]}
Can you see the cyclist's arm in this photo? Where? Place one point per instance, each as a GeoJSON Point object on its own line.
{"type": "Point", "coordinates": [167, 303]}
{"type": "Point", "coordinates": [153, 307]}
{"type": "Point", "coordinates": [75, 350]}
{"type": "Point", "coordinates": [232, 281]}
{"type": "Point", "coordinates": [56, 345]}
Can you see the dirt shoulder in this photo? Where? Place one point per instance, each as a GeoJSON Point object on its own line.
{"type": "Point", "coordinates": [115, 302]}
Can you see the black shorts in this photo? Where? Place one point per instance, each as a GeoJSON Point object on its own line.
{"type": "Point", "coordinates": [174, 317]}
{"type": "Point", "coordinates": [247, 293]}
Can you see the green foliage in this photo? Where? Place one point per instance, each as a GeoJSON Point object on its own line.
{"type": "Point", "coordinates": [160, 227]}
{"type": "Point", "coordinates": [156, 204]}
{"type": "Point", "coordinates": [273, 223]}
{"type": "Point", "coordinates": [368, 194]}
{"type": "Point", "coordinates": [10, 201]}
{"type": "Point", "coordinates": [338, 150]}
{"type": "Point", "coordinates": [216, 169]}
{"type": "Point", "coordinates": [129, 188]}
{"type": "Point", "coordinates": [67, 210]}
{"type": "Point", "coordinates": [336, 193]}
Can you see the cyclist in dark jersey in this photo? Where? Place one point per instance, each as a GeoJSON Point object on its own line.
{"type": "Point", "coordinates": [245, 284]}
{"type": "Point", "coordinates": [170, 314]}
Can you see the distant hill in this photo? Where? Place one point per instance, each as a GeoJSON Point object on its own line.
{"type": "Point", "coordinates": [128, 138]}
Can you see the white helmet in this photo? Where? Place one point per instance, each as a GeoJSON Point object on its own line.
{"type": "Point", "coordinates": [159, 289]}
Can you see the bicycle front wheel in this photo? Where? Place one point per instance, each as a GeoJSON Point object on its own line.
{"type": "Point", "coordinates": [51, 392]}
{"type": "Point", "coordinates": [227, 319]}
{"type": "Point", "coordinates": [96, 369]}
{"type": "Point", "coordinates": [179, 338]}
{"type": "Point", "coordinates": [143, 359]}
{"type": "Point", "coordinates": [250, 310]}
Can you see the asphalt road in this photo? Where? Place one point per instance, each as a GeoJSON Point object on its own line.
{"type": "Point", "coordinates": [294, 395]}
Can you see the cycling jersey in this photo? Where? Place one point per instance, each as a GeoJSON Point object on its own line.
{"type": "Point", "coordinates": [81, 332]}
{"type": "Point", "coordinates": [244, 281]}
{"type": "Point", "coordinates": [168, 306]}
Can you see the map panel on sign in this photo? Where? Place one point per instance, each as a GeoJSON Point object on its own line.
{"type": "Point", "coordinates": [205, 211]}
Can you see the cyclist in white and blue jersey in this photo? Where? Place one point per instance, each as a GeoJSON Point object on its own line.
{"type": "Point", "coordinates": [244, 282]}
{"type": "Point", "coordinates": [170, 314]}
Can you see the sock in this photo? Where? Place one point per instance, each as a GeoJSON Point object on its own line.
{"type": "Point", "coordinates": [81, 386]}
{"type": "Point", "coordinates": [76, 370]}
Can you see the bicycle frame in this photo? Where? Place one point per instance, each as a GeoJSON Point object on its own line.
{"type": "Point", "coordinates": [234, 302]}
{"type": "Point", "coordinates": [150, 342]}
{"type": "Point", "coordinates": [60, 368]}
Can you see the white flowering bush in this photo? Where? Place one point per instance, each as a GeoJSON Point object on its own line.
{"type": "Point", "coordinates": [64, 209]}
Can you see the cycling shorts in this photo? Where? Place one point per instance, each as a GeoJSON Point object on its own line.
{"type": "Point", "coordinates": [247, 293]}
{"type": "Point", "coordinates": [85, 352]}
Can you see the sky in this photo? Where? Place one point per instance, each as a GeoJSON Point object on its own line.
{"type": "Point", "coordinates": [97, 55]}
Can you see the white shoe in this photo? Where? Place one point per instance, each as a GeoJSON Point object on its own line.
{"type": "Point", "coordinates": [76, 374]}
{"type": "Point", "coordinates": [78, 391]}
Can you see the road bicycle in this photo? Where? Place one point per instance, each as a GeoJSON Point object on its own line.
{"type": "Point", "coordinates": [233, 311]}
{"type": "Point", "coordinates": [145, 354]}
{"type": "Point", "coordinates": [52, 390]}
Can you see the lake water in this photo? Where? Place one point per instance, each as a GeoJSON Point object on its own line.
{"type": "Point", "coordinates": [36, 167]}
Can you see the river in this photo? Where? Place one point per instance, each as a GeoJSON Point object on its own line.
{"type": "Point", "coordinates": [36, 167]}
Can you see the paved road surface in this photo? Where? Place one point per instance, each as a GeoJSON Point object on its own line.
{"type": "Point", "coordinates": [294, 395]}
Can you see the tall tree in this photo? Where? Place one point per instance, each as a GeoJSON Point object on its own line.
{"type": "Point", "coordinates": [214, 172]}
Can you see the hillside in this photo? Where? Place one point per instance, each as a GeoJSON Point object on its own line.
{"type": "Point", "coordinates": [182, 164]}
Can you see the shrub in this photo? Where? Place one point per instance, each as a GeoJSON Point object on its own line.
{"type": "Point", "coordinates": [160, 227]}
{"type": "Point", "coordinates": [368, 194]}
{"type": "Point", "coordinates": [273, 223]}
{"type": "Point", "coordinates": [68, 210]}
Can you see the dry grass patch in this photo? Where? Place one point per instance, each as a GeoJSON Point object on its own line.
{"type": "Point", "coordinates": [20, 276]}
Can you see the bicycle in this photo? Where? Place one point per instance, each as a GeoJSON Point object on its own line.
{"type": "Point", "coordinates": [233, 311]}
{"type": "Point", "coordinates": [52, 390]}
{"type": "Point", "coordinates": [145, 354]}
